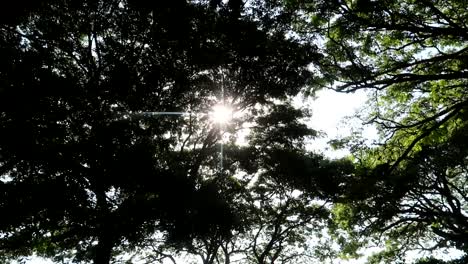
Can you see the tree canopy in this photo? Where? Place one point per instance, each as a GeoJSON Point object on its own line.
{"type": "Point", "coordinates": [89, 171]}
{"type": "Point", "coordinates": [410, 57]}
{"type": "Point", "coordinates": [109, 152]}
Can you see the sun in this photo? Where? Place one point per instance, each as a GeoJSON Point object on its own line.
{"type": "Point", "coordinates": [221, 114]}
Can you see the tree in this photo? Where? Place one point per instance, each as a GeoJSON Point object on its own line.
{"type": "Point", "coordinates": [278, 190]}
{"type": "Point", "coordinates": [85, 172]}
{"type": "Point", "coordinates": [411, 58]}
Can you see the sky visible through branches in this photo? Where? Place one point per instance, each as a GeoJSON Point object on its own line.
{"type": "Point", "coordinates": [334, 115]}
{"type": "Point", "coordinates": [273, 131]}
{"type": "Point", "coordinates": [327, 118]}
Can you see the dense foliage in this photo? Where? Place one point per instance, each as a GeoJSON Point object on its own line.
{"type": "Point", "coordinates": [108, 152]}
{"type": "Point", "coordinates": [410, 56]}
{"type": "Point", "coordinates": [89, 171]}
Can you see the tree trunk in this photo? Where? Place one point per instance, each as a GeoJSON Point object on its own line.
{"type": "Point", "coordinates": [103, 251]}
{"type": "Point", "coordinates": [105, 234]}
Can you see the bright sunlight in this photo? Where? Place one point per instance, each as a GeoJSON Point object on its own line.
{"type": "Point", "coordinates": [221, 114]}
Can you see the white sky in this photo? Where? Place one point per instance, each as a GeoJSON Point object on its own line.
{"type": "Point", "coordinates": [329, 110]}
